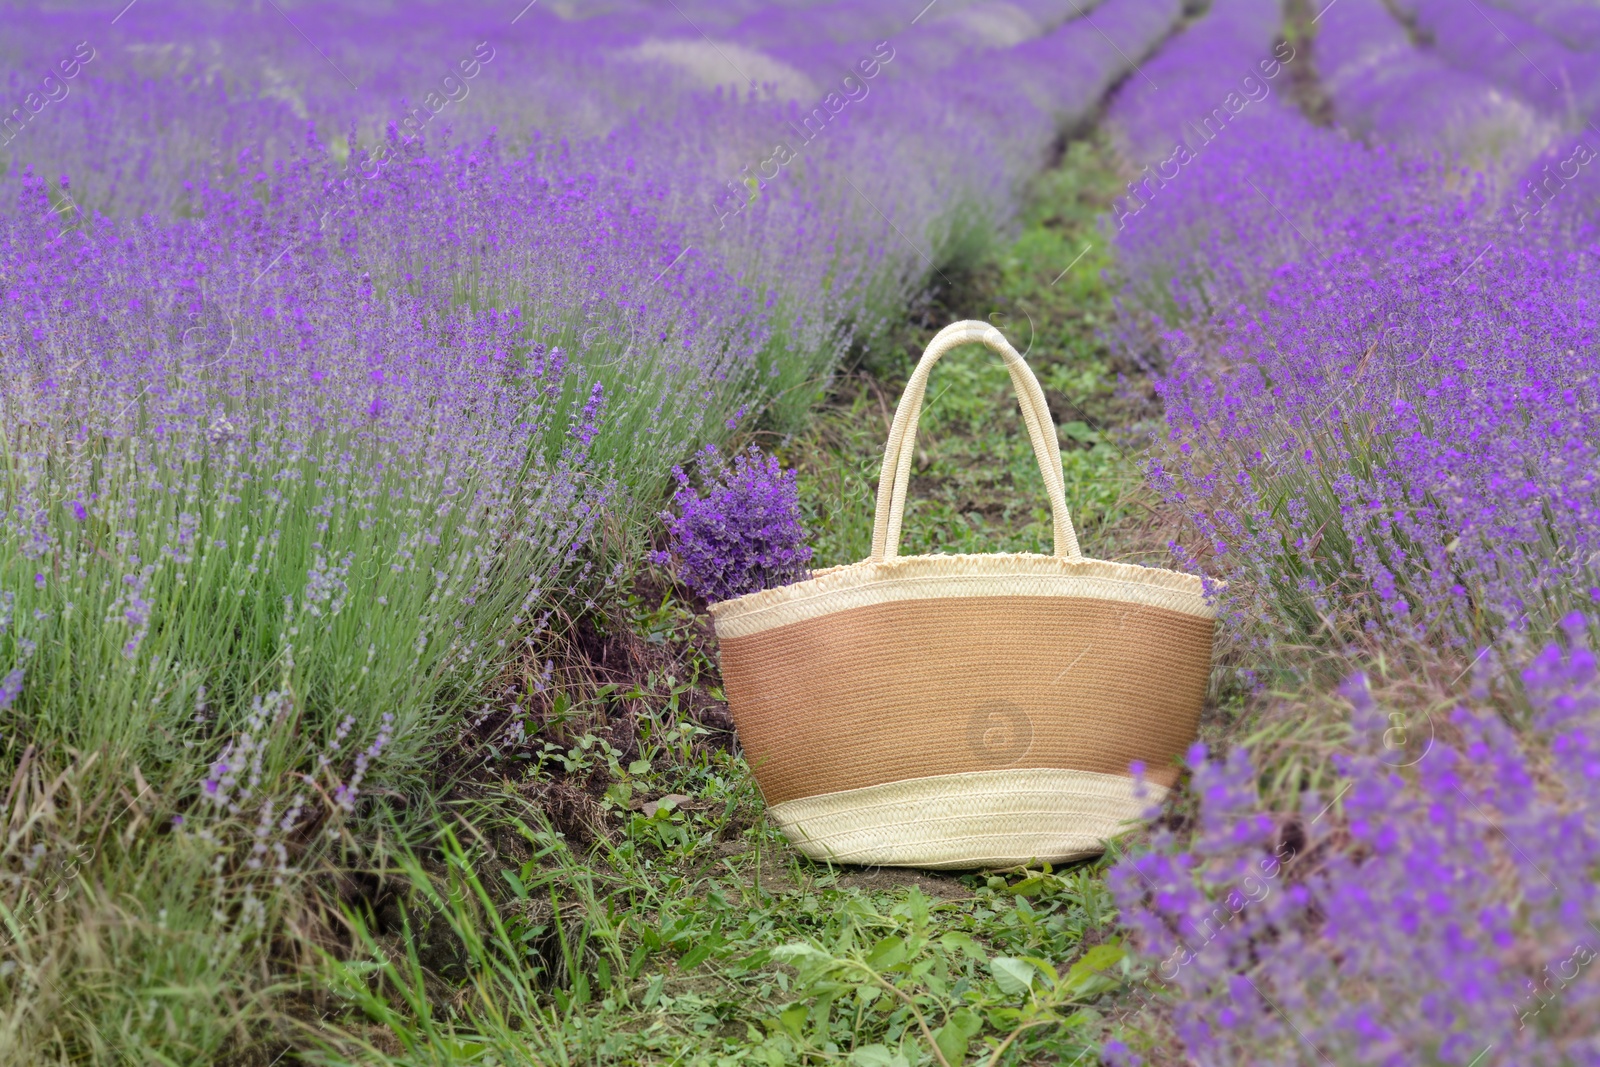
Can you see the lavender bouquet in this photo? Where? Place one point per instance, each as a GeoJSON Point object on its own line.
{"type": "Point", "coordinates": [744, 534]}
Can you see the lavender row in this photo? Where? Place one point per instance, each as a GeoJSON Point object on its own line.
{"type": "Point", "coordinates": [1518, 54]}
{"type": "Point", "coordinates": [1381, 417]}
{"type": "Point", "coordinates": [1572, 22]}
{"type": "Point", "coordinates": [1221, 69]}
{"type": "Point", "coordinates": [1385, 89]}
{"type": "Point", "coordinates": [1558, 72]}
{"type": "Point", "coordinates": [1460, 105]}
{"type": "Point", "coordinates": [831, 214]}
{"type": "Point", "coordinates": [1340, 334]}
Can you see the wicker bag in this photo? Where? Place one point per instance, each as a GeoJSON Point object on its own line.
{"type": "Point", "coordinates": [954, 711]}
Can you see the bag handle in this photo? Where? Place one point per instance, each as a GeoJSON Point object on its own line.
{"type": "Point", "coordinates": [897, 454]}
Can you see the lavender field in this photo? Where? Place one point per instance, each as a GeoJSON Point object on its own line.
{"type": "Point", "coordinates": [377, 385]}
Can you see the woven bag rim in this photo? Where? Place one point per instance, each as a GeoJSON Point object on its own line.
{"type": "Point", "coordinates": [870, 572]}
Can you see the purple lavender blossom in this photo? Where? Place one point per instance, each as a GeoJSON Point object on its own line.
{"type": "Point", "coordinates": [346, 793]}
{"type": "Point", "coordinates": [136, 610]}
{"type": "Point", "coordinates": [11, 687]}
{"type": "Point", "coordinates": [744, 535]}
{"type": "Point", "coordinates": [589, 417]}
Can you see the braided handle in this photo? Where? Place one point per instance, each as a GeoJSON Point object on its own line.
{"type": "Point", "coordinates": [897, 454]}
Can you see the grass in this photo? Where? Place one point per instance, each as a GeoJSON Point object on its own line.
{"type": "Point", "coordinates": [683, 942]}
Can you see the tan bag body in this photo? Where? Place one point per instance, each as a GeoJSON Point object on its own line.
{"type": "Point", "coordinates": [965, 710]}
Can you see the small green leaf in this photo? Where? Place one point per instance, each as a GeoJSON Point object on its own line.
{"type": "Point", "coordinates": [952, 1043]}
{"type": "Point", "coordinates": [958, 1030]}
{"type": "Point", "coordinates": [793, 1018]}
{"type": "Point", "coordinates": [797, 951]}
{"type": "Point", "coordinates": [1044, 968]}
{"type": "Point", "coordinates": [517, 886]}
{"type": "Point", "coordinates": [1013, 975]}
{"type": "Point", "coordinates": [1029, 887]}
{"type": "Point", "coordinates": [1101, 956]}
{"type": "Point", "coordinates": [969, 1021]}
{"type": "Point", "coordinates": [752, 961]}
{"type": "Point", "coordinates": [890, 952]}
{"type": "Point", "coordinates": [695, 957]}
{"type": "Point", "coordinates": [1092, 965]}
{"type": "Point", "coordinates": [1004, 1018]}
{"type": "Point", "coordinates": [639, 766]}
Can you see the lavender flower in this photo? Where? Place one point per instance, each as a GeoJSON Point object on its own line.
{"type": "Point", "coordinates": [136, 609]}
{"type": "Point", "coordinates": [1380, 417]}
{"type": "Point", "coordinates": [744, 535]}
{"type": "Point", "coordinates": [345, 794]}
{"type": "Point", "coordinates": [11, 688]}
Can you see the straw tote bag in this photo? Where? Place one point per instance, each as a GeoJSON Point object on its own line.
{"type": "Point", "coordinates": [954, 711]}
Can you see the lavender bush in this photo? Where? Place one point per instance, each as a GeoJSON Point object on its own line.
{"type": "Point", "coordinates": [1542, 52]}
{"type": "Point", "coordinates": [1444, 907]}
{"type": "Point", "coordinates": [744, 534]}
{"type": "Point", "coordinates": [1233, 66]}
